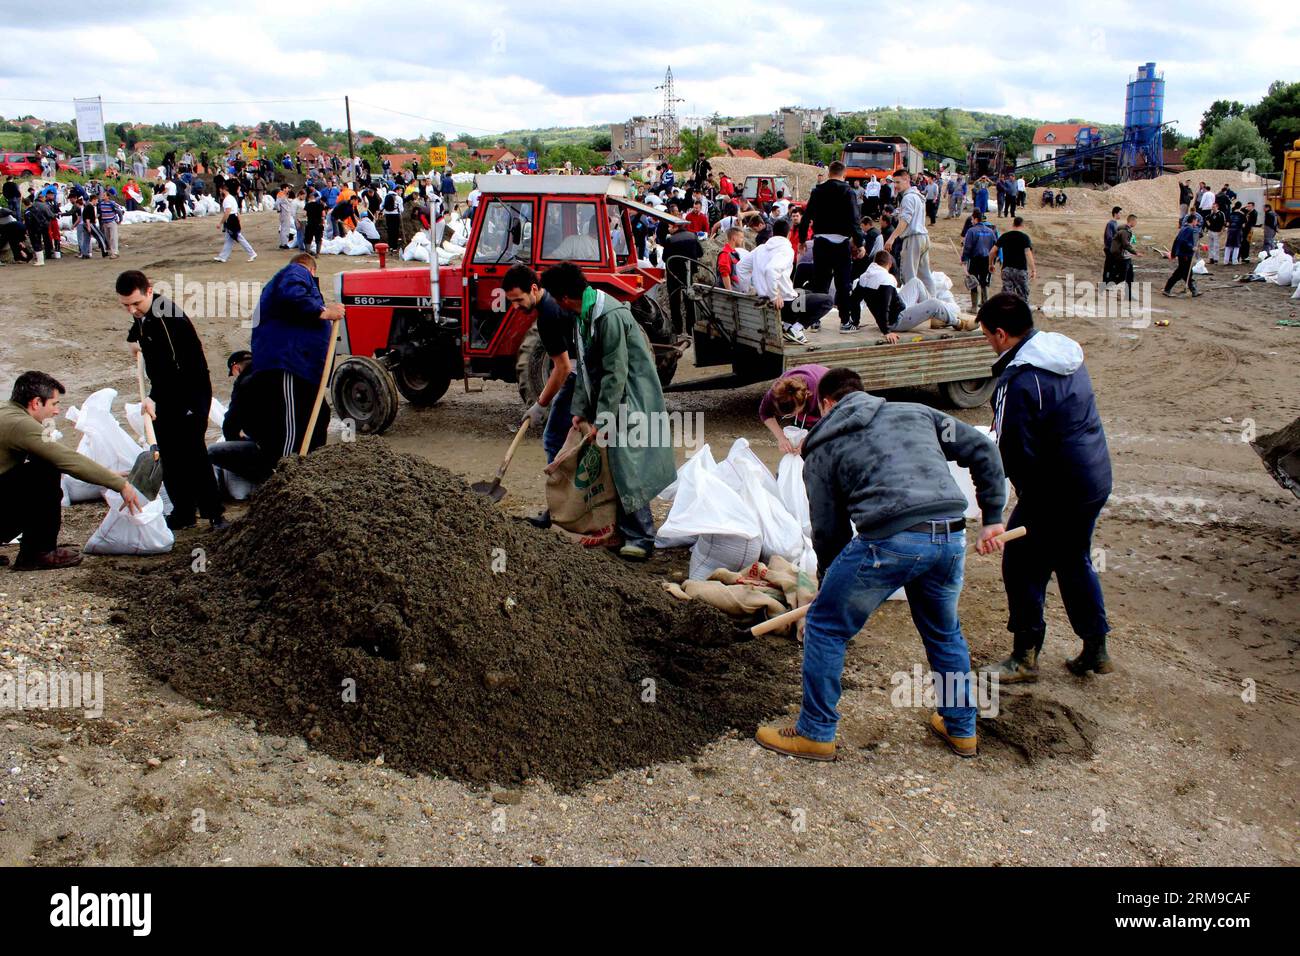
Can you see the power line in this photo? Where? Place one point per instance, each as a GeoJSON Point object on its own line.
{"type": "Point", "coordinates": [31, 99]}
{"type": "Point", "coordinates": [429, 119]}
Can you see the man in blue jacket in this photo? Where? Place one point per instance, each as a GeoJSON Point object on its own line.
{"type": "Point", "coordinates": [1184, 249]}
{"type": "Point", "coordinates": [886, 513]}
{"type": "Point", "coordinates": [291, 344]}
{"type": "Point", "coordinates": [1054, 451]}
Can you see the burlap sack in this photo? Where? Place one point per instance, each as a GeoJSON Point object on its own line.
{"type": "Point", "coordinates": [580, 490]}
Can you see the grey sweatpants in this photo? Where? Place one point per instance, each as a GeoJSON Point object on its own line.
{"type": "Point", "coordinates": [914, 260]}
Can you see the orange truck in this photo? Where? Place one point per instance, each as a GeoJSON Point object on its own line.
{"type": "Point", "coordinates": [1285, 197]}
{"type": "Point", "coordinates": [880, 156]}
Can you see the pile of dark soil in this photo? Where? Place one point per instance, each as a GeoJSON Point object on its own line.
{"type": "Point", "coordinates": [1281, 454]}
{"type": "Point", "coordinates": [478, 646]}
{"type": "Point", "coordinates": [1039, 728]}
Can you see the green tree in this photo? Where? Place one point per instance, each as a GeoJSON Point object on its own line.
{"type": "Point", "coordinates": [577, 155]}
{"type": "Point", "coordinates": [310, 129]}
{"type": "Point", "coordinates": [741, 142]}
{"type": "Point", "coordinates": [1234, 143]}
{"type": "Point", "coordinates": [471, 141]}
{"type": "Point", "coordinates": [1018, 137]}
{"type": "Point", "coordinates": [934, 137]}
{"type": "Point", "coordinates": [1277, 116]}
{"type": "Point", "coordinates": [1219, 111]}
{"type": "Point", "coordinates": [769, 143]}
{"type": "Point", "coordinates": [696, 145]}
{"type": "Point", "coordinates": [601, 143]}
{"type": "Point", "coordinates": [437, 139]}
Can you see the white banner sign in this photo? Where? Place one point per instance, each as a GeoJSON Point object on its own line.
{"type": "Point", "coordinates": [90, 119]}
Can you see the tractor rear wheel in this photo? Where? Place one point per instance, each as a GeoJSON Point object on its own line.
{"type": "Point", "coordinates": [971, 393]}
{"type": "Point", "coordinates": [420, 381]}
{"type": "Point", "coordinates": [532, 366]}
{"type": "Point", "coordinates": [364, 391]}
{"type": "Point", "coordinates": [649, 314]}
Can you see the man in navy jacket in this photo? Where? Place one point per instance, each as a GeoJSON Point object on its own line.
{"type": "Point", "coordinates": [1054, 451]}
{"type": "Point", "coordinates": [291, 343]}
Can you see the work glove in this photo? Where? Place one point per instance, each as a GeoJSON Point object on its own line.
{"type": "Point", "coordinates": [536, 415]}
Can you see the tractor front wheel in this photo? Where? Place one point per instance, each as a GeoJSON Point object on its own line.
{"type": "Point", "coordinates": [365, 392]}
{"type": "Point", "coordinates": [532, 366]}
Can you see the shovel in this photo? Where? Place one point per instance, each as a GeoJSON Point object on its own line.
{"type": "Point", "coordinates": [146, 474]}
{"type": "Point", "coordinates": [493, 489]}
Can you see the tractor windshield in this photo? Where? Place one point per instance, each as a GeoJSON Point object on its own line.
{"type": "Point", "coordinates": [571, 232]}
{"type": "Point", "coordinates": [507, 232]}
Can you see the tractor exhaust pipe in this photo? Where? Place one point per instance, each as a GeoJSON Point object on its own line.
{"type": "Point", "coordinates": [382, 249]}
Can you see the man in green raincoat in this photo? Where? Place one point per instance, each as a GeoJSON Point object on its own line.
{"type": "Point", "coordinates": [618, 392]}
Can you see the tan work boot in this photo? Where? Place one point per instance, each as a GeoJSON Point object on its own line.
{"type": "Point", "coordinates": [961, 746]}
{"type": "Point", "coordinates": [784, 740]}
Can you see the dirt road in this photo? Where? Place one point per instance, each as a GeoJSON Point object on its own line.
{"type": "Point", "coordinates": [1183, 756]}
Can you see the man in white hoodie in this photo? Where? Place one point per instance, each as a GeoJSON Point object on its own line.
{"type": "Point", "coordinates": [768, 270]}
{"type": "Point", "coordinates": [900, 310]}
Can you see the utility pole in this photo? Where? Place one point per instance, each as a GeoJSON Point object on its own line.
{"type": "Point", "coordinates": [347, 108]}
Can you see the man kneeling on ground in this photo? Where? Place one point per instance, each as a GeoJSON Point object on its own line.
{"type": "Point", "coordinates": [30, 464]}
{"type": "Point", "coordinates": [880, 468]}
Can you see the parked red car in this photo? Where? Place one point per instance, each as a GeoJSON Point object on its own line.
{"type": "Point", "coordinates": [27, 164]}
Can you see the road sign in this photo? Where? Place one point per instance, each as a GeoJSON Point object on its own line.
{"type": "Point", "coordinates": [437, 156]}
{"type": "Point", "coordinates": [532, 160]}
{"type": "Point", "coordinates": [90, 119]}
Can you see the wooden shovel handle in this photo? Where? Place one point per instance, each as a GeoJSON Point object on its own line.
{"type": "Point", "coordinates": [510, 453]}
{"type": "Point", "coordinates": [320, 391]}
{"type": "Point", "coordinates": [780, 621]}
{"type": "Point", "coordinates": [144, 416]}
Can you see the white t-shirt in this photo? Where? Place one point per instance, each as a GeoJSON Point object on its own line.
{"type": "Point", "coordinates": [171, 187]}
{"type": "Point", "coordinates": [229, 205]}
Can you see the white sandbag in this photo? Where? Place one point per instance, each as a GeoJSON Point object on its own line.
{"type": "Point", "coordinates": [417, 250]}
{"type": "Point", "coordinates": [780, 529]}
{"type": "Point", "coordinates": [790, 487]}
{"type": "Point", "coordinates": [232, 485]}
{"type": "Point", "coordinates": [76, 491]}
{"type": "Point", "coordinates": [124, 533]}
{"type": "Point", "coordinates": [216, 414]}
{"type": "Point", "coordinates": [742, 461]}
{"type": "Point", "coordinates": [268, 204]}
{"type": "Point", "coordinates": [1296, 293]}
{"type": "Point", "coordinates": [1295, 275]}
{"type": "Point", "coordinates": [1268, 267]}
{"type": "Point", "coordinates": [941, 282]}
{"type": "Point", "coordinates": [206, 206]}
{"type": "Point", "coordinates": [702, 460]}
{"type": "Point", "coordinates": [103, 439]}
{"type": "Point", "coordinates": [714, 551]}
{"type": "Point", "coordinates": [136, 216]}
{"type": "Point", "coordinates": [1285, 270]}
{"type": "Point", "coordinates": [706, 505]}
{"type": "Point", "coordinates": [1199, 269]}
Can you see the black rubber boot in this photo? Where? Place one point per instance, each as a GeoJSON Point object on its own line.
{"type": "Point", "coordinates": [1022, 666]}
{"type": "Point", "coordinates": [1093, 658]}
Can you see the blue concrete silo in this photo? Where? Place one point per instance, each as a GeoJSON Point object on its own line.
{"type": "Point", "coordinates": [1143, 154]}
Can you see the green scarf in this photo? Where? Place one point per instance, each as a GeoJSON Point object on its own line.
{"type": "Point", "coordinates": [584, 314]}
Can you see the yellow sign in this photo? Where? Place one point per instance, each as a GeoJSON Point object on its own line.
{"type": "Point", "coordinates": [250, 152]}
{"type": "Point", "coordinates": [437, 156]}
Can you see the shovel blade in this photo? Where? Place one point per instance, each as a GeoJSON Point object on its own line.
{"type": "Point", "coordinates": [146, 475]}
{"type": "Point", "coordinates": [490, 489]}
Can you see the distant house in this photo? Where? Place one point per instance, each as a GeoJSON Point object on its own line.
{"type": "Point", "coordinates": [744, 153]}
{"type": "Point", "coordinates": [1050, 138]}
{"type": "Point", "coordinates": [399, 161]}
{"type": "Point", "coordinates": [365, 140]}
{"type": "Point", "coordinates": [460, 146]}
{"type": "Point", "coordinates": [784, 154]}
{"type": "Point", "coordinates": [494, 156]}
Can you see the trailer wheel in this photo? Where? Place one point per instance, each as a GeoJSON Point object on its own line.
{"type": "Point", "coordinates": [364, 391]}
{"type": "Point", "coordinates": [649, 314]}
{"type": "Point", "coordinates": [421, 383]}
{"type": "Point", "coordinates": [532, 366]}
{"type": "Point", "coordinates": [970, 393]}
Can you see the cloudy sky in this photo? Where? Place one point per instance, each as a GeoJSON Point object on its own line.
{"type": "Point", "coordinates": [487, 66]}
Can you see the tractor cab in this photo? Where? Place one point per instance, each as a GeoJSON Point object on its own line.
{"type": "Point", "coordinates": [763, 190]}
{"type": "Point", "coordinates": [395, 343]}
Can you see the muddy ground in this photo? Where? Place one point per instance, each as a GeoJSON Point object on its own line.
{"type": "Point", "coordinates": [1183, 756]}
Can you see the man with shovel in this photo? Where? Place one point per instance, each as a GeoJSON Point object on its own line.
{"type": "Point", "coordinates": [618, 391]}
{"type": "Point", "coordinates": [887, 513]}
{"type": "Point", "coordinates": [291, 345]}
{"type": "Point", "coordinates": [31, 462]}
{"type": "Point", "coordinates": [555, 327]}
{"type": "Point", "coordinates": [180, 397]}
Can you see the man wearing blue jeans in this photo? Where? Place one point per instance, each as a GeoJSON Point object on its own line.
{"type": "Point", "coordinates": [886, 513]}
{"type": "Point", "coordinates": [555, 327]}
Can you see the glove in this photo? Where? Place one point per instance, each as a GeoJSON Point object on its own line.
{"type": "Point", "coordinates": [536, 415]}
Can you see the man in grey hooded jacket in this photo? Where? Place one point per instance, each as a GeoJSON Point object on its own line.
{"type": "Point", "coordinates": [886, 513]}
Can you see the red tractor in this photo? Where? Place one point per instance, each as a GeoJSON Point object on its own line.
{"type": "Point", "coordinates": [393, 342]}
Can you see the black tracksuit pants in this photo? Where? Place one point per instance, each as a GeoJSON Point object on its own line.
{"type": "Point", "coordinates": [833, 260]}
{"type": "Point", "coordinates": [1184, 271]}
{"type": "Point", "coordinates": [183, 453]}
{"type": "Point", "coordinates": [393, 224]}
{"type": "Point", "coordinates": [30, 502]}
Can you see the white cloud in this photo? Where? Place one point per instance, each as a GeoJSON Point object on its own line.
{"type": "Point", "coordinates": [498, 65]}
